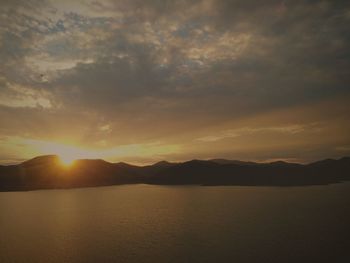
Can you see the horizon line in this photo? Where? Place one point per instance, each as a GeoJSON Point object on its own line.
{"type": "Point", "coordinates": [275, 160]}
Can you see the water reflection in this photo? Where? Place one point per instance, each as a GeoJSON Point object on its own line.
{"type": "Point", "coordinates": [142, 223]}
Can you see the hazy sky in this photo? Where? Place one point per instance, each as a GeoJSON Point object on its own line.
{"type": "Point", "coordinates": [145, 80]}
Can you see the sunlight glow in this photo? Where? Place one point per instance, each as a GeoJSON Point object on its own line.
{"type": "Point", "coordinates": [67, 161]}
{"type": "Point", "coordinates": [69, 153]}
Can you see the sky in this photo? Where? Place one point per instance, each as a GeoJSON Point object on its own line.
{"type": "Point", "coordinates": [147, 80]}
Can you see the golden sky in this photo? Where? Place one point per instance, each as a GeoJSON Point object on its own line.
{"type": "Point", "coordinates": [142, 81]}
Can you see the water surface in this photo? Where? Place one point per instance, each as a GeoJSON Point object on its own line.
{"type": "Point", "coordinates": [144, 223]}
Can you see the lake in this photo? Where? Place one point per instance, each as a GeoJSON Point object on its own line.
{"type": "Point", "coordinates": [146, 223]}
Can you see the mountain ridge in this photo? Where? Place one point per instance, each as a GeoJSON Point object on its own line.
{"type": "Point", "coordinates": [46, 172]}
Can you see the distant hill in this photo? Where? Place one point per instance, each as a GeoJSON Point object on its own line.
{"type": "Point", "coordinates": [46, 172]}
{"type": "Point", "coordinates": [224, 161]}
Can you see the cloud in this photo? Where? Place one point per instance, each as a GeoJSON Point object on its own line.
{"type": "Point", "coordinates": [14, 95]}
{"type": "Point", "coordinates": [169, 69]}
{"type": "Point", "coordinates": [289, 129]}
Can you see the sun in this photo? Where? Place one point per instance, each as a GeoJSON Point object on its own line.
{"type": "Point", "coordinates": [66, 160]}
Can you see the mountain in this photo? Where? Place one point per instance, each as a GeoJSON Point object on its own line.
{"type": "Point", "coordinates": [164, 164]}
{"type": "Point", "coordinates": [46, 172]}
{"type": "Point", "coordinates": [225, 161]}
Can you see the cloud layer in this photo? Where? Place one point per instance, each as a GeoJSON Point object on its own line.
{"type": "Point", "coordinates": [200, 78]}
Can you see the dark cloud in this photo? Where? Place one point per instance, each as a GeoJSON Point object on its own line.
{"type": "Point", "coordinates": [170, 67]}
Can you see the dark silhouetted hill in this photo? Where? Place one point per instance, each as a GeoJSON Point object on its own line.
{"type": "Point", "coordinates": [46, 172]}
